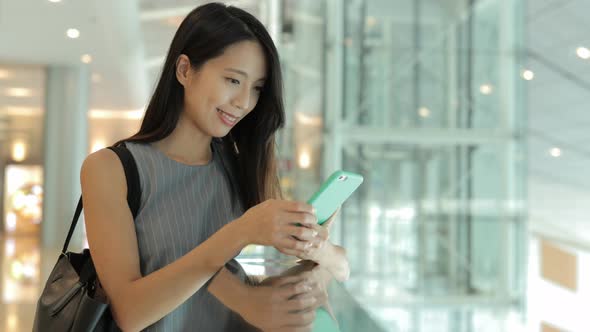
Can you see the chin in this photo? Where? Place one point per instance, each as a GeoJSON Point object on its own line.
{"type": "Point", "coordinates": [219, 133]}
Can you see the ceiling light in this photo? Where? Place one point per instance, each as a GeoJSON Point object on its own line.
{"type": "Point", "coordinates": [19, 151]}
{"type": "Point", "coordinates": [583, 53]}
{"type": "Point", "coordinates": [555, 152]}
{"type": "Point", "coordinates": [307, 119]}
{"type": "Point", "coordinates": [86, 58]}
{"type": "Point", "coordinates": [19, 92]}
{"type": "Point", "coordinates": [5, 74]}
{"type": "Point", "coordinates": [55, 1]}
{"type": "Point", "coordinates": [424, 112]}
{"type": "Point", "coordinates": [117, 114]}
{"type": "Point", "coordinates": [304, 159]}
{"type": "Point", "coordinates": [528, 75]}
{"type": "Point", "coordinates": [371, 21]}
{"type": "Point", "coordinates": [73, 33]}
{"type": "Point", "coordinates": [485, 89]}
{"type": "Point", "coordinates": [96, 78]}
{"type": "Point", "coordinates": [20, 111]}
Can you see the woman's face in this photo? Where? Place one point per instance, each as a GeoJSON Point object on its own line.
{"type": "Point", "coordinates": [224, 89]}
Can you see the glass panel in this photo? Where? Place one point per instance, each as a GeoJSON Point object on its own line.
{"type": "Point", "coordinates": [423, 98]}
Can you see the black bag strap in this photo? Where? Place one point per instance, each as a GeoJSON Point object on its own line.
{"type": "Point", "coordinates": [133, 189]}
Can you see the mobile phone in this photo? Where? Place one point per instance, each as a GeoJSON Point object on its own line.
{"type": "Point", "coordinates": [333, 192]}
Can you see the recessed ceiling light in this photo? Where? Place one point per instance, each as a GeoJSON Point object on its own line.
{"type": "Point", "coordinates": [73, 33]}
{"type": "Point", "coordinates": [424, 112]}
{"type": "Point", "coordinates": [555, 152]}
{"type": "Point", "coordinates": [371, 21]}
{"type": "Point", "coordinates": [86, 58]}
{"type": "Point", "coordinates": [96, 78]}
{"type": "Point", "coordinates": [528, 75]}
{"type": "Point", "coordinates": [304, 159]}
{"type": "Point", "coordinates": [19, 151]}
{"type": "Point", "coordinates": [485, 89]}
{"type": "Point", "coordinates": [5, 74]}
{"type": "Point", "coordinates": [583, 53]}
{"type": "Point", "coordinates": [19, 92]}
{"type": "Point", "coordinates": [55, 1]}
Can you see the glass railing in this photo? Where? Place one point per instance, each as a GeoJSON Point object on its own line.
{"type": "Point", "coordinates": [425, 100]}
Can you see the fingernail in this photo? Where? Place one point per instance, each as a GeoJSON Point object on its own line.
{"type": "Point", "coordinates": [314, 233]}
{"type": "Point", "coordinates": [307, 245]}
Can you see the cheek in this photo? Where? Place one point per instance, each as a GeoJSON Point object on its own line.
{"type": "Point", "coordinates": [254, 100]}
{"type": "Point", "coordinates": [219, 95]}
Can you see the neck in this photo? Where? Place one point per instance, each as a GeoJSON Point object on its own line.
{"type": "Point", "coordinates": [186, 144]}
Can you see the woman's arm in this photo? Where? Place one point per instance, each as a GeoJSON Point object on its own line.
{"type": "Point", "coordinates": [137, 301]}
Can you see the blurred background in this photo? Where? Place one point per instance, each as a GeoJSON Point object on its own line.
{"type": "Point", "coordinates": [466, 118]}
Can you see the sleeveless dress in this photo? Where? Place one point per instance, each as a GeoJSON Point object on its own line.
{"type": "Point", "coordinates": [181, 206]}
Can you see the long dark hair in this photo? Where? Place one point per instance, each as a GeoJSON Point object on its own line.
{"type": "Point", "coordinates": [204, 34]}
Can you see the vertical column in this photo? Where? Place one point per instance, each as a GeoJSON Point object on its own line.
{"type": "Point", "coordinates": [65, 147]}
{"type": "Point", "coordinates": [509, 63]}
{"type": "Point", "coordinates": [274, 22]}
{"type": "Point", "coordinates": [334, 72]}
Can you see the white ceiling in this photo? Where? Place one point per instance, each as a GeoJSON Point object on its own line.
{"type": "Point", "coordinates": [558, 104]}
{"type": "Point", "coordinates": [126, 39]}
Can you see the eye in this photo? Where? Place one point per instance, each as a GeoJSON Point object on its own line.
{"type": "Point", "coordinates": [233, 80]}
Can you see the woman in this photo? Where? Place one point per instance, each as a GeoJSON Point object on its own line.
{"type": "Point", "coordinates": [205, 156]}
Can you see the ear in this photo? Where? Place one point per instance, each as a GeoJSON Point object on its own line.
{"type": "Point", "coordinates": [183, 68]}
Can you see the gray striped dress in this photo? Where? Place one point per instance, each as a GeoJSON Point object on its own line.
{"type": "Point", "coordinates": [181, 206]}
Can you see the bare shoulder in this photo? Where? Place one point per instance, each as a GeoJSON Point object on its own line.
{"type": "Point", "coordinates": [103, 169]}
{"type": "Point", "coordinates": [102, 159]}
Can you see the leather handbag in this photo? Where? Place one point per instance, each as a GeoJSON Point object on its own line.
{"type": "Point", "coordinates": [73, 299]}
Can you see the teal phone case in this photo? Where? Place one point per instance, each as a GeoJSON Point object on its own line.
{"type": "Point", "coordinates": [333, 192]}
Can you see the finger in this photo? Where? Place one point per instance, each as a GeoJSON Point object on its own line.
{"type": "Point", "coordinates": [290, 243]}
{"type": "Point", "coordinates": [290, 280]}
{"type": "Point", "coordinates": [300, 219]}
{"type": "Point", "coordinates": [291, 291]}
{"type": "Point", "coordinates": [303, 302]}
{"type": "Point", "coordinates": [302, 233]}
{"type": "Point", "coordinates": [295, 206]}
{"type": "Point", "coordinates": [328, 223]}
{"type": "Point", "coordinates": [322, 231]}
{"type": "Point", "coordinates": [289, 252]}
{"type": "Point", "coordinates": [321, 298]}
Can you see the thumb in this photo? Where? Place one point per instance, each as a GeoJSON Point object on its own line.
{"type": "Point", "coordinates": [330, 220]}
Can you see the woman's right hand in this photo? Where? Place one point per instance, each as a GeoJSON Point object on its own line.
{"type": "Point", "coordinates": [283, 303]}
{"type": "Point", "coordinates": [285, 225]}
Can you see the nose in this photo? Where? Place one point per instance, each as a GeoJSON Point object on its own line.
{"type": "Point", "coordinates": [242, 100]}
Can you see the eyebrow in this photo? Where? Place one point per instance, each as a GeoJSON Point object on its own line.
{"type": "Point", "coordinates": [243, 73]}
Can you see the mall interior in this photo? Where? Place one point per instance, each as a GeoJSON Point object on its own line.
{"type": "Point", "coordinates": [471, 216]}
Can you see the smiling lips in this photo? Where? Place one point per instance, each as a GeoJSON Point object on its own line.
{"type": "Point", "coordinates": [227, 118]}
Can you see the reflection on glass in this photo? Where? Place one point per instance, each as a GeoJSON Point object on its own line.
{"type": "Point", "coordinates": [23, 202]}
{"type": "Point", "coordinates": [21, 270]}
